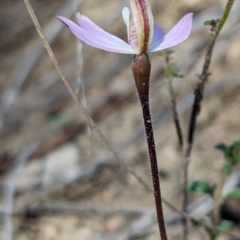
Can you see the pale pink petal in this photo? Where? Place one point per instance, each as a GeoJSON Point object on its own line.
{"type": "Point", "coordinates": [91, 34]}
{"type": "Point", "coordinates": [179, 33]}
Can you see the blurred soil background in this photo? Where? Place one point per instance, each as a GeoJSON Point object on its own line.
{"type": "Point", "coordinates": [65, 182]}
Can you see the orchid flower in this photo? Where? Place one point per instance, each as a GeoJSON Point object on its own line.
{"type": "Point", "coordinates": [143, 34]}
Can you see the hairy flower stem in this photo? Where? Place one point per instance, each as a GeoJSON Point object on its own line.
{"type": "Point", "coordinates": [141, 70]}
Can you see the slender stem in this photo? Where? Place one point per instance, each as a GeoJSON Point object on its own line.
{"type": "Point", "coordinates": [141, 71]}
{"type": "Point", "coordinates": [177, 124]}
{"type": "Point", "coordinates": [169, 75]}
{"type": "Point", "coordinates": [184, 178]}
{"type": "Point", "coordinates": [204, 76]}
{"type": "Point", "coordinates": [176, 116]}
{"type": "Point", "coordinates": [184, 168]}
{"type": "Point", "coordinates": [199, 90]}
{"type": "Point", "coordinates": [154, 166]}
{"type": "Point", "coordinates": [184, 197]}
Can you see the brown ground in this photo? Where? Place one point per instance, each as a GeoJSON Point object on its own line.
{"type": "Point", "coordinates": [100, 199]}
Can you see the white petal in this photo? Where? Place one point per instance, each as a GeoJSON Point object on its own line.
{"type": "Point", "coordinates": [126, 19]}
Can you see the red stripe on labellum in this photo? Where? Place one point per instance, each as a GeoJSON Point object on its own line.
{"type": "Point", "coordinates": [142, 7]}
{"type": "Point", "coordinates": [146, 23]}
